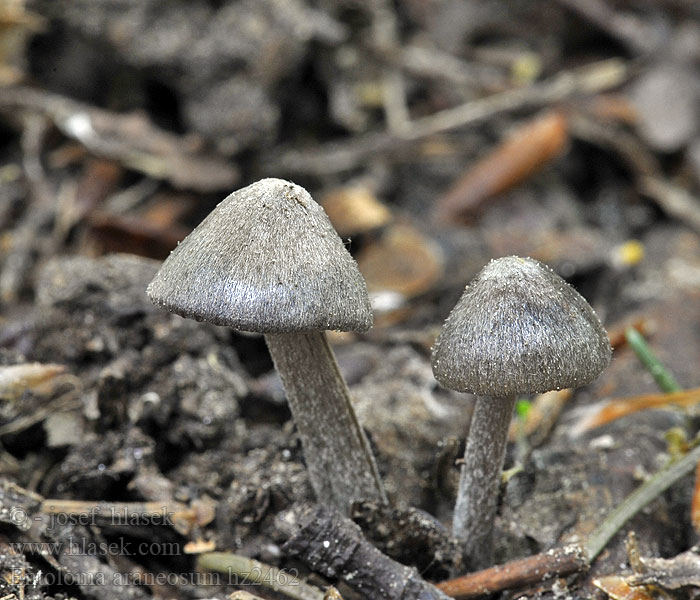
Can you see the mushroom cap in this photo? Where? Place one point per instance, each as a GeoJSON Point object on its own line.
{"type": "Point", "coordinates": [519, 328]}
{"type": "Point", "coordinates": [268, 260]}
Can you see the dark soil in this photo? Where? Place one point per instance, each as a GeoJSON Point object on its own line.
{"type": "Point", "coordinates": [123, 123]}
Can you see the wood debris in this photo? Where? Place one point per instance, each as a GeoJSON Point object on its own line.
{"type": "Point", "coordinates": [130, 139]}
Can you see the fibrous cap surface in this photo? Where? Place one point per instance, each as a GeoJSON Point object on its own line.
{"type": "Point", "coordinates": [266, 259]}
{"type": "Point", "coordinates": [519, 328]}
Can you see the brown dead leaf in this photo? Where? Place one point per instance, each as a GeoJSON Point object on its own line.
{"type": "Point", "coordinates": [613, 107]}
{"type": "Point", "coordinates": [167, 210]}
{"type": "Point", "coordinates": [617, 588]}
{"type": "Point", "coordinates": [615, 409]}
{"type": "Point", "coordinates": [616, 334]}
{"type": "Point", "coordinates": [525, 152]}
{"type": "Point", "coordinates": [134, 235]}
{"type": "Point", "coordinates": [402, 261]}
{"type": "Point", "coordinates": [204, 510]}
{"type": "Point", "coordinates": [99, 179]}
{"type": "Point", "coordinates": [354, 210]}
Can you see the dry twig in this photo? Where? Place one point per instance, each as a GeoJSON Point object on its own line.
{"type": "Point", "coordinates": [518, 573]}
{"type": "Point", "coordinates": [335, 547]}
{"type": "Point", "coordinates": [340, 156]}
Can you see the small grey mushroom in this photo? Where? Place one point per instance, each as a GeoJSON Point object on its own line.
{"type": "Point", "coordinates": [518, 328]}
{"type": "Point", "coordinates": [268, 260]}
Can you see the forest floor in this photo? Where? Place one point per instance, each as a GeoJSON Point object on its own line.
{"type": "Point", "coordinates": [138, 446]}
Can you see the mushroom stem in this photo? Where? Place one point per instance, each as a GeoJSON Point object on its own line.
{"type": "Point", "coordinates": [338, 456]}
{"type": "Point", "coordinates": [479, 480]}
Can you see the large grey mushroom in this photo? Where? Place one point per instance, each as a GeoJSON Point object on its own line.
{"type": "Point", "coordinates": [268, 260]}
{"type": "Point", "coordinates": [518, 328]}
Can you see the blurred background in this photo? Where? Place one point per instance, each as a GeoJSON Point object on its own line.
{"type": "Point", "coordinates": [437, 134]}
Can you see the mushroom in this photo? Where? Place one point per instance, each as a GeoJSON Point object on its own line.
{"type": "Point", "coordinates": [518, 328]}
{"type": "Point", "coordinates": [268, 260]}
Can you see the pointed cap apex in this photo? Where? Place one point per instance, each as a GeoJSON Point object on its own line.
{"type": "Point", "coordinates": [266, 259]}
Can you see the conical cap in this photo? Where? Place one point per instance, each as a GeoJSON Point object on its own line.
{"type": "Point", "coordinates": [266, 259]}
{"type": "Point", "coordinates": [519, 328]}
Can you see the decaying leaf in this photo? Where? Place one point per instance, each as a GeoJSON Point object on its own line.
{"type": "Point", "coordinates": [15, 379]}
{"type": "Point", "coordinates": [617, 333]}
{"type": "Point", "coordinates": [612, 107]}
{"type": "Point", "coordinates": [132, 234]}
{"type": "Point", "coordinates": [354, 210]}
{"type": "Point", "coordinates": [599, 415]}
{"type": "Point", "coordinates": [618, 588]}
{"type": "Point", "coordinates": [132, 139]}
{"type": "Point", "coordinates": [167, 210]}
{"type": "Point", "coordinates": [199, 513]}
{"type": "Point", "coordinates": [525, 152]}
{"type": "Point", "coordinates": [402, 261]}
{"type": "Point", "coordinates": [670, 573]}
